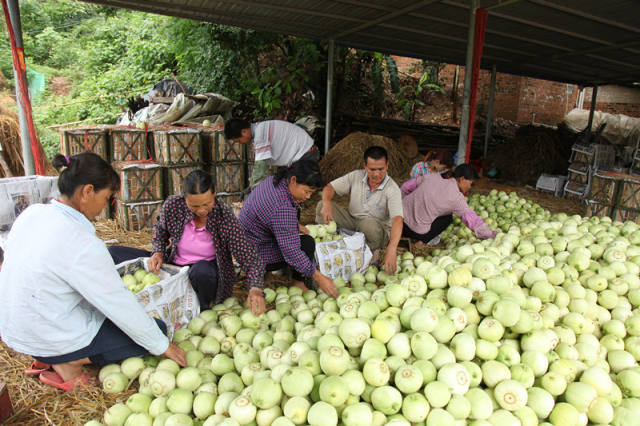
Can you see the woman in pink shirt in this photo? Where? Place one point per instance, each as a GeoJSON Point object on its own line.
{"type": "Point", "coordinates": [429, 201]}
{"type": "Point", "coordinates": [196, 230]}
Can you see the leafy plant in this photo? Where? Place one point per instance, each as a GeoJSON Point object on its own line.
{"type": "Point", "coordinates": [409, 95]}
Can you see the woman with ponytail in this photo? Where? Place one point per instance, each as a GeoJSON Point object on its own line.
{"type": "Point", "coordinates": [63, 301]}
{"type": "Point", "coordinates": [270, 219]}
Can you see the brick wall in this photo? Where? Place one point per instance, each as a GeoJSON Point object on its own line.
{"type": "Point", "coordinates": [525, 99]}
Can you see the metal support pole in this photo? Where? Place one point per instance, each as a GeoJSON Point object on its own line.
{"type": "Point", "coordinates": [594, 96]}
{"type": "Point", "coordinates": [466, 97]}
{"type": "Point", "coordinates": [328, 128]}
{"type": "Point", "coordinates": [492, 92]}
{"type": "Point", "coordinates": [25, 139]}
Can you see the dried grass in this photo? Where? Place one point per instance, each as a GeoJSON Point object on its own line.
{"type": "Point", "coordinates": [35, 403]}
{"type": "Point", "coordinates": [346, 156]}
{"type": "Point", "coordinates": [113, 233]}
{"type": "Point", "coordinates": [11, 153]}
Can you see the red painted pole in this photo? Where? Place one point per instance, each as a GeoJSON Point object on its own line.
{"type": "Point", "coordinates": [21, 67]}
{"type": "Point", "coordinates": [480, 27]}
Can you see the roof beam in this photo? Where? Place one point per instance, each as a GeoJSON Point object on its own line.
{"type": "Point", "coordinates": [500, 3]}
{"type": "Point", "coordinates": [536, 25]}
{"type": "Point", "coordinates": [385, 18]}
{"type": "Point", "coordinates": [595, 18]}
{"type": "Point", "coordinates": [299, 10]}
{"type": "Point", "coordinates": [596, 49]}
{"type": "Point", "coordinates": [308, 30]}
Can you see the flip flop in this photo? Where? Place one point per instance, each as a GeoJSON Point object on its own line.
{"type": "Point", "coordinates": [36, 368]}
{"type": "Point", "coordinates": [52, 378]}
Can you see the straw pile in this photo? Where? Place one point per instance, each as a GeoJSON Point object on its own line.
{"type": "Point", "coordinates": [346, 156]}
{"type": "Point", "coordinates": [534, 150]}
{"type": "Point", "coordinates": [11, 154]}
{"type": "Point", "coordinates": [35, 403]}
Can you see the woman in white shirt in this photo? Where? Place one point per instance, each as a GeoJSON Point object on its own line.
{"type": "Point", "coordinates": [63, 301]}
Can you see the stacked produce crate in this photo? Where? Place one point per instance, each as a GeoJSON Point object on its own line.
{"type": "Point", "coordinates": [635, 161]}
{"type": "Point", "coordinates": [585, 161]}
{"type": "Point", "coordinates": [628, 206]}
{"type": "Point", "coordinates": [616, 195]}
{"type": "Point", "coordinates": [603, 193]}
{"type": "Point", "coordinates": [153, 163]}
{"type": "Point", "coordinates": [179, 151]}
{"type": "Point", "coordinates": [85, 139]}
{"type": "Point", "coordinates": [228, 167]}
{"type": "Point", "coordinates": [141, 194]}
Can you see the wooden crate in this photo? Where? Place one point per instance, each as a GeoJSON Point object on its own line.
{"type": "Point", "coordinates": [140, 181]}
{"type": "Point", "coordinates": [90, 139]}
{"type": "Point", "coordinates": [230, 177]}
{"type": "Point", "coordinates": [629, 193]}
{"type": "Point", "coordinates": [604, 187]}
{"type": "Point", "coordinates": [129, 144]}
{"type": "Point", "coordinates": [178, 146]}
{"type": "Point", "coordinates": [217, 149]}
{"type": "Point", "coordinates": [597, 208]}
{"type": "Point", "coordinates": [230, 199]}
{"type": "Point", "coordinates": [174, 175]}
{"type": "Point", "coordinates": [137, 216]}
{"type": "Point", "coordinates": [623, 214]}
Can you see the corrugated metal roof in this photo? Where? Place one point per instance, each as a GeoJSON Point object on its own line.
{"type": "Point", "coordinates": [576, 41]}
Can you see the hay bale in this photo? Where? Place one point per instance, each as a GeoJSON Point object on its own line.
{"type": "Point", "coordinates": [346, 156]}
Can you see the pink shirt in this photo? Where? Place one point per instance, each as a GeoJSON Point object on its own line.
{"type": "Point", "coordinates": [430, 196]}
{"type": "Point", "coordinates": [194, 245]}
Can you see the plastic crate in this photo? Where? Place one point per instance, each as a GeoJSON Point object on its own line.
{"type": "Point", "coordinates": [552, 183]}
{"type": "Point", "coordinates": [575, 190]}
{"type": "Point", "coordinates": [605, 157]}
{"type": "Point", "coordinates": [579, 172]}
{"type": "Point", "coordinates": [582, 153]}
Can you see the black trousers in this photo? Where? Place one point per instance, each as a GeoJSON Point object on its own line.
{"type": "Point", "coordinates": [111, 345]}
{"type": "Point", "coordinates": [308, 246]}
{"type": "Point", "coordinates": [203, 274]}
{"type": "Point", "coordinates": [440, 224]}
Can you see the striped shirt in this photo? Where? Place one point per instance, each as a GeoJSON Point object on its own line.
{"type": "Point", "coordinates": [270, 219]}
{"type": "Point", "coordinates": [280, 142]}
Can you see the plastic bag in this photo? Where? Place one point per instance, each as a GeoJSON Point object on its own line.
{"type": "Point", "coordinates": [343, 257]}
{"type": "Point", "coordinates": [172, 299]}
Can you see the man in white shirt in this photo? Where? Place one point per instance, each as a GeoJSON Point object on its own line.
{"type": "Point", "coordinates": [375, 205]}
{"type": "Point", "coordinates": [275, 143]}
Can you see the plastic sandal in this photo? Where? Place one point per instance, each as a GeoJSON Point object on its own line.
{"type": "Point", "coordinates": [53, 379]}
{"type": "Point", "coordinates": [36, 368]}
